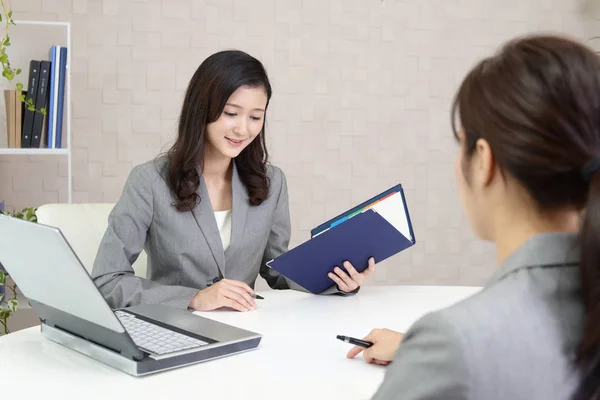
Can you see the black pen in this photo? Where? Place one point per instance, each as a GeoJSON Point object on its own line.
{"type": "Point", "coordinates": [253, 295]}
{"type": "Point", "coordinates": [354, 341]}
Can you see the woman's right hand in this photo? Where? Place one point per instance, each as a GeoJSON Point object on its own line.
{"type": "Point", "coordinates": [385, 345]}
{"type": "Point", "coordinates": [225, 293]}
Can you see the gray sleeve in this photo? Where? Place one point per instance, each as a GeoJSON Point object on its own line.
{"type": "Point", "coordinates": [430, 364]}
{"type": "Point", "coordinates": [121, 244]}
{"type": "Point", "coordinates": [278, 243]}
{"type": "Point", "coordinates": [279, 240]}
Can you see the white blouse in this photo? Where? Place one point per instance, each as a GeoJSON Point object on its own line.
{"type": "Point", "coordinates": [224, 224]}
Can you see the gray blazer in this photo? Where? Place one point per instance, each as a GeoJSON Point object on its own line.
{"type": "Point", "coordinates": [515, 339]}
{"type": "Point", "coordinates": [184, 249]}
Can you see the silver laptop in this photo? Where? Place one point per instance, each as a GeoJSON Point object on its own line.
{"type": "Point", "coordinates": [138, 340]}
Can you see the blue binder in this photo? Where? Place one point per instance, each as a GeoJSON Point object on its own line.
{"type": "Point", "coordinates": [365, 234]}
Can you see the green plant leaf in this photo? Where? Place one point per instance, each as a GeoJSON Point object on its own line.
{"type": "Point", "coordinates": [30, 212]}
{"type": "Point", "coordinates": [43, 111]}
{"type": "Point", "coordinates": [4, 313]}
{"type": "Point", "coordinates": [13, 305]}
{"type": "Point", "coordinates": [3, 276]}
{"type": "Point", "coordinates": [17, 72]}
{"type": "Point", "coordinates": [31, 108]}
{"type": "Point", "coordinates": [2, 296]}
{"type": "Point", "coordinates": [20, 86]}
{"type": "Point", "coordinates": [10, 14]}
{"type": "Point", "coordinates": [7, 41]}
{"type": "Point", "coordinates": [22, 96]}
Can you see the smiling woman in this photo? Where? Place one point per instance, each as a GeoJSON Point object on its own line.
{"type": "Point", "coordinates": [212, 211]}
{"type": "Point", "coordinates": [244, 122]}
{"type": "Point", "coordinates": [219, 109]}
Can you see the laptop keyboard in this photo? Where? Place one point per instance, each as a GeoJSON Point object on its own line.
{"type": "Point", "coordinates": [154, 338]}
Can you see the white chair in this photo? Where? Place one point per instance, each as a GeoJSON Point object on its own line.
{"type": "Point", "coordinates": [83, 225]}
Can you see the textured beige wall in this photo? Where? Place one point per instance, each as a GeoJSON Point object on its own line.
{"type": "Point", "coordinates": [361, 96]}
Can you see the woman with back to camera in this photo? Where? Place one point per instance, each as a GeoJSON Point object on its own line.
{"type": "Point", "coordinates": [211, 212]}
{"type": "Point", "coordinates": [528, 174]}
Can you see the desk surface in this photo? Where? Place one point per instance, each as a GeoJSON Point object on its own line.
{"type": "Point", "coordinates": [299, 356]}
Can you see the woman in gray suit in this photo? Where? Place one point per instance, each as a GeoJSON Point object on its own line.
{"type": "Point", "coordinates": [529, 180]}
{"type": "Point", "coordinates": [212, 211]}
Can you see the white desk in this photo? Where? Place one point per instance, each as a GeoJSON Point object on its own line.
{"type": "Point", "coordinates": [298, 358]}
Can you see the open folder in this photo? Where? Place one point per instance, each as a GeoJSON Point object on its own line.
{"type": "Point", "coordinates": [378, 228]}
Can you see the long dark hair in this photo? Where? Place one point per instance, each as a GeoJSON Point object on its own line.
{"type": "Point", "coordinates": [537, 104]}
{"type": "Point", "coordinates": [214, 81]}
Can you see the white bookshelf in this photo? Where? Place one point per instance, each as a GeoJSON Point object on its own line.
{"type": "Point", "coordinates": [34, 152]}
{"type": "Point", "coordinates": [32, 40]}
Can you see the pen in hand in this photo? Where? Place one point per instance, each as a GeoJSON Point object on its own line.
{"type": "Point", "coordinates": [253, 295]}
{"type": "Point", "coordinates": [354, 341]}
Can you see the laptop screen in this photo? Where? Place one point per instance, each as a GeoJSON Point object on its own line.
{"type": "Point", "coordinates": [46, 269]}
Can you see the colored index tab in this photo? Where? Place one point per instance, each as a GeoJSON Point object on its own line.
{"type": "Point", "coordinates": [360, 210]}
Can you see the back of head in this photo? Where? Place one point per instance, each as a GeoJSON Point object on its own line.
{"type": "Point", "coordinates": [537, 103]}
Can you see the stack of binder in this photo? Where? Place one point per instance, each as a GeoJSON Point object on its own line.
{"type": "Point", "coordinates": [45, 90]}
{"type": "Point", "coordinates": [378, 228]}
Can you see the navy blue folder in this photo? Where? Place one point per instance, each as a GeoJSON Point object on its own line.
{"type": "Point", "coordinates": [357, 239]}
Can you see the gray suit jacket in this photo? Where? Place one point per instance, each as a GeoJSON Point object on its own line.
{"type": "Point", "coordinates": [516, 339]}
{"type": "Point", "coordinates": [184, 249]}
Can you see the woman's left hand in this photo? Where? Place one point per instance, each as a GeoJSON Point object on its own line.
{"type": "Point", "coordinates": [348, 282]}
